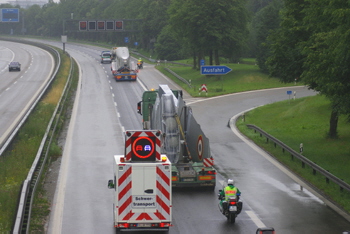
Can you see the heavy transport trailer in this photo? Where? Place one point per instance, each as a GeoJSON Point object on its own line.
{"type": "Point", "coordinates": [184, 142]}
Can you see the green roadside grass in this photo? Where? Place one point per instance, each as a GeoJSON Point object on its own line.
{"type": "Point", "coordinates": [306, 121]}
{"type": "Point", "coordinates": [42, 206]}
{"type": "Point", "coordinates": [17, 160]}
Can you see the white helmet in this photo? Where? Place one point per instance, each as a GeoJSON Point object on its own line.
{"type": "Point", "coordinates": [231, 181]}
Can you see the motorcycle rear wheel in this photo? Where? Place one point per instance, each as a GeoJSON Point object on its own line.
{"type": "Point", "coordinates": [231, 218]}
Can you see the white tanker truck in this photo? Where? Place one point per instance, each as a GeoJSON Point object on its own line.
{"type": "Point", "coordinates": [122, 67]}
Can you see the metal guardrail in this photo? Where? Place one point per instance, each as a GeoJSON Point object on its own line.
{"type": "Point", "coordinates": [22, 220]}
{"type": "Point", "coordinates": [179, 77]}
{"type": "Point", "coordinates": [29, 185]}
{"type": "Point", "coordinates": [305, 161]}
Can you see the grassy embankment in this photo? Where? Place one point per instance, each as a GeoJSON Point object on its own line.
{"type": "Point", "coordinates": [17, 160]}
{"type": "Point", "coordinates": [304, 120]}
{"type": "Point", "coordinates": [243, 77]}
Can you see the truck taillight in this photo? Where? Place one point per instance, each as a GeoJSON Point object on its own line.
{"type": "Point", "coordinates": [174, 178]}
{"type": "Point", "coordinates": [211, 172]}
{"type": "Point", "coordinates": [133, 77]}
{"type": "Point", "coordinates": [123, 225]}
{"type": "Point", "coordinates": [204, 172]}
{"type": "Point", "coordinates": [164, 225]}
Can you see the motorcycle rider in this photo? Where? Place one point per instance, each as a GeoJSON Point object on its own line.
{"type": "Point", "coordinates": [140, 63]}
{"type": "Point", "coordinates": [228, 191]}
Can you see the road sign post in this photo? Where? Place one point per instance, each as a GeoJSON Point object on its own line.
{"type": "Point", "coordinates": [289, 92]}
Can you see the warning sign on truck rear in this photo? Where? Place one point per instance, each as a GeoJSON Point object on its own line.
{"type": "Point", "coordinates": [143, 201]}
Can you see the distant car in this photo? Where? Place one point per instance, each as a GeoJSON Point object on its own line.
{"type": "Point", "coordinates": [106, 57]}
{"type": "Point", "coordinates": [14, 66]}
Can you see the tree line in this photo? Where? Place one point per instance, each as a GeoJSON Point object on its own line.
{"type": "Point", "coordinates": [173, 29]}
{"type": "Point", "coordinates": [294, 40]}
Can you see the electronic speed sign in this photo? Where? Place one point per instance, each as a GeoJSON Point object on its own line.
{"type": "Point", "coordinates": [101, 25]}
{"type": "Point", "coordinates": [109, 25]}
{"type": "Point", "coordinates": [82, 25]}
{"type": "Point", "coordinates": [142, 145]}
{"type": "Point", "coordinates": [92, 25]}
{"type": "Point", "coordinates": [118, 25]}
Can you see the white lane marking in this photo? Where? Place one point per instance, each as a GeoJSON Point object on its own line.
{"type": "Point", "coordinates": [144, 87]}
{"type": "Point", "coordinates": [255, 219]}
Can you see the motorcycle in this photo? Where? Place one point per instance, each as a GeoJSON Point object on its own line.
{"type": "Point", "coordinates": [231, 208]}
{"type": "Point", "coordinates": [140, 65]}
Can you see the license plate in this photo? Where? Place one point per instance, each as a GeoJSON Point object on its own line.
{"type": "Point", "coordinates": [233, 208]}
{"type": "Point", "coordinates": [187, 180]}
{"type": "Point", "coordinates": [144, 225]}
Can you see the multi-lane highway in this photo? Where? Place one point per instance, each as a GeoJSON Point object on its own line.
{"type": "Point", "coordinates": [104, 109]}
{"type": "Point", "coordinates": [18, 89]}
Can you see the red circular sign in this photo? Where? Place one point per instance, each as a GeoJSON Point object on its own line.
{"type": "Point", "coordinates": [143, 147]}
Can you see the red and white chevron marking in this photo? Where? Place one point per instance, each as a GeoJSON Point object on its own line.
{"type": "Point", "coordinates": [163, 185]}
{"type": "Point", "coordinates": [128, 145]}
{"type": "Point", "coordinates": [208, 162]}
{"type": "Point", "coordinates": [124, 191]}
{"type": "Point", "coordinates": [163, 197]}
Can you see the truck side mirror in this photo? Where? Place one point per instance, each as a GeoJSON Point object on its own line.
{"type": "Point", "coordinates": [139, 108]}
{"type": "Point", "coordinates": [110, 184]}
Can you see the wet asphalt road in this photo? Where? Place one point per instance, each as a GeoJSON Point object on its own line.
{"type": "Point", "coordinates": [83, 204]}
